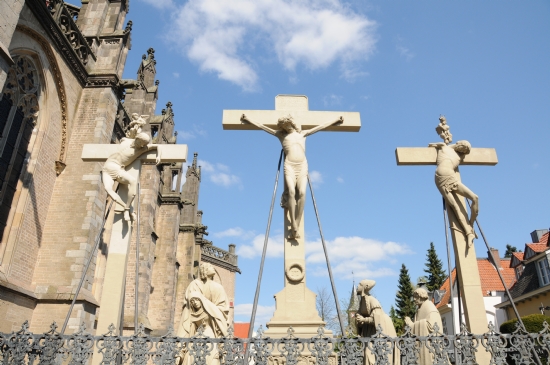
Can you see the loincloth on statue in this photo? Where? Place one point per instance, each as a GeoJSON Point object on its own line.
{"type": "Point", "coordinates": [113, 169]}
{"type": "Point", "coordinates": [448, 183]}
{"type": "Point", "coordinates": [298, 170]}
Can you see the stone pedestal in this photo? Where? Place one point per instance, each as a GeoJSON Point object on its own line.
{"type": "Point", "coordinates": [295, 305]}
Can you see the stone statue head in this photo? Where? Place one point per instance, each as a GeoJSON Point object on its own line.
{"type": "Point", "coordinates": [420, 295]}
{"type": "Point", "coordinates": [442, 119]}
{"type": "Point", "coordinates": [365, 286]}
{"type": "Point", "coordinates": [135, 116]}
{"type": "Point", "coordinates": [206, 271]}
{"type": "Point", "coordinates": [142, 139]}
{"type": "Point", "coordinates": [287, 120]}
{"type": "Point", "coordinates": [195, 303]}
{"type": "Point", "coordinates": [463, 147]}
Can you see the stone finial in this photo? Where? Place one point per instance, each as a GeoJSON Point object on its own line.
{"type": "Point", "coordinates": [151, 53]}
{"type": "Point", "coordinates": [157, 82]}
{"type": "Point", "coordinates": [195, 160]}
{"type": "Point", "coordinates": [128, 28]}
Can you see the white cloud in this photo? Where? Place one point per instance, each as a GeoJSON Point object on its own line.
{"type": "Point", "coordinates": [195, 131]}
{"type": "Point", "coordinates": [263, 314]}
{"type": "Point", "coordinates": [332, 99]}
{"type": "Point", "coordinates": [219, 174]}
{"type": "Point", "coordinates": [275, 247]}
{"type": "Point", "coordinates": [405, 52]}
{"type": "Point", "coordinates": [363, 256]}
{"type": "Point", "coordinates": [315, 177]}
{"type": "Point", "coordinates": [176, 75]}
{"type": "Point", "coordinates": [235, 232]}
{"type": "Point", "coordinates": [340, 180]}
{"type": "Point", "coordinates": [221, 36]}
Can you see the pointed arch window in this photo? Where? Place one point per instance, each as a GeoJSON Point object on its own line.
{"type": "Point", "coordinates": [18, 113]}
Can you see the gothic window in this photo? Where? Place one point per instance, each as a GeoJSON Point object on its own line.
{"type": "Point", "coordinates": [18, 113]}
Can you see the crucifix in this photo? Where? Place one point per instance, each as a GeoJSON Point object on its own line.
{"type": "Point", "coordinates": [448, 157]}
{"type": "Point", "coordinates": [123, 163]}
{"type": "Point", "coordinates": [292, 122]}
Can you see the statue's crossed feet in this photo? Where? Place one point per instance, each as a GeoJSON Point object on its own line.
{"type": "Point", "coordinates": [129, 217]}
{"type": "Point", "coordinates": [293, 234]}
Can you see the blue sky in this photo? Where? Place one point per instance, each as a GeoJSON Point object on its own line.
{"type": "Point", "coordinates": [401, 64]}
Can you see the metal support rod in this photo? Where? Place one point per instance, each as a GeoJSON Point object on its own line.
{"type": "Point", "coordinates": [500, 274]}
{"type": "Point", "coordinates": [537, 359]}
{"type": "Point", "coordinates": [450, 270]}
{"type": "Point", "coordinates": [257, 294]}
{"type": "Point", "coordinates": [328, 262]}
{"type": "Point", "coordinates": [83, 277]}
{"type": "Point", "coordinates": [136, 307]}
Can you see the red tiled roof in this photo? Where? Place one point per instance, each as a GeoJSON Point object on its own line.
{"type": "Point", "coordinates": [537, 247]}
{"type": "Point", "coordinates": [489, 279]}
{"type": "Point", "coordinates": [519, 255]}
{"type": "Point", "coordinates": [241, 329]}
{"type": "Point", "coordinates": [447, 296]}
{"type": "Point", "coordinates": [517, 258]}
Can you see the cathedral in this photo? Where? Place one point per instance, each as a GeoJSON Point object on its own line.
{"type": "Point", "coordinates": [61, 70]}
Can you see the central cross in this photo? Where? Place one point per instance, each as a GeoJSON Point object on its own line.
{"type": "Point", "coordinates": [292, 122]}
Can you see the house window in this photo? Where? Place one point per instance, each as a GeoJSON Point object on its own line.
{"type": "Point", "coordinates": [519, 271]}
{"type": "Point", "coordinates": [544, 271]}
{"type": "Point", "coordinates": [18, 113]}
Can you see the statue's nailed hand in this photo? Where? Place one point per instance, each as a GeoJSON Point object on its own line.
{"type": "Point", "coordinates": [244, 119]}
{"type": "Point", "coordinates": [339, 121]}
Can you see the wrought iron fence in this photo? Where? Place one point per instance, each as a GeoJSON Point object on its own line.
{"type": "Point", "coordinates": [23, 347]}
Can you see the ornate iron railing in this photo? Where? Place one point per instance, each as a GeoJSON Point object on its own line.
{"type": "Point", "coordinates": [23, 347]}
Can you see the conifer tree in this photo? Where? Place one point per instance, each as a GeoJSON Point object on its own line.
{"type": "Point", "coordinates": [398, 323]}
{"type": "Point", "coordinates": [404, 303]}
{"type": "Point", "coordinates": [434, 269]}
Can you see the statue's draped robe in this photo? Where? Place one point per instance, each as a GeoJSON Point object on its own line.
{"type": "Point", "coordinates": [216, 307]}
{"type": "Point", "coordinates": [212, 291]}
{"type": "Point", "coordinates": [370, 308]}
{"type": "Point", "coordinates": [426, 317]}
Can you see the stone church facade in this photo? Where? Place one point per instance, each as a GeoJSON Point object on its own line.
{"type": "Point", "coordinates": [61, 72]}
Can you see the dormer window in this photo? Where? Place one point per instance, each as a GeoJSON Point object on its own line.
{"type": "Point", "coordinates": [519, 271]}
{"type": "Point", "coordinates": [544, 271]}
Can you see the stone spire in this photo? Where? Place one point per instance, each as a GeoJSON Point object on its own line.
{"type": "Point", "coordinates": [354, 300]}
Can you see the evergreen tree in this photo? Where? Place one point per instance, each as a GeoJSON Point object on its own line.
{"type": "Point", "coordinates": [404, 298]}
{"type": "Point", "coordinates": [398, 323]}
{"type": "Point", "coordinates": [434, 269]}
{"type": "Point", "coordinates": [510, 250]}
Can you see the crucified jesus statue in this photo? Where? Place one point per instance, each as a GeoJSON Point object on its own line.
{"type": "Point", "coordinates": [293, 141]}
{"type": "Point", "coordinates": [114, 169]}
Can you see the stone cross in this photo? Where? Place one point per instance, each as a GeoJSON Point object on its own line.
{"type": "Point", "coordinates": [466, 261]}
{"type": "Point", "coordinates": [112, 298]}
{"type": "Point", "coordinates": [295, 304]}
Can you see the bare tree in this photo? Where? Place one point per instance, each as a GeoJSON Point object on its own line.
{"type": "Point", "coordinates": [327, 309]}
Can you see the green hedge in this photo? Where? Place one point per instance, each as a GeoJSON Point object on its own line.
{"type": "Point", "coordinates": [532, 322]}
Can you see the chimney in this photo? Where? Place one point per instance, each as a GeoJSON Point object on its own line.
{"type": "Point", "coordinates": [495, 260]}
{"type": "Point", "coordinates": [537, 235]}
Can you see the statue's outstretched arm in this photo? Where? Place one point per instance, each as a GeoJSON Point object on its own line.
{"type": "Point", "coordinates": [437, 144]}
{"type": "Point", "coordinates": [244, 119]}
{"type": "Point", "coordinates": [323, 126]}
{"type": "Point", "coordinates": [159, 152]}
